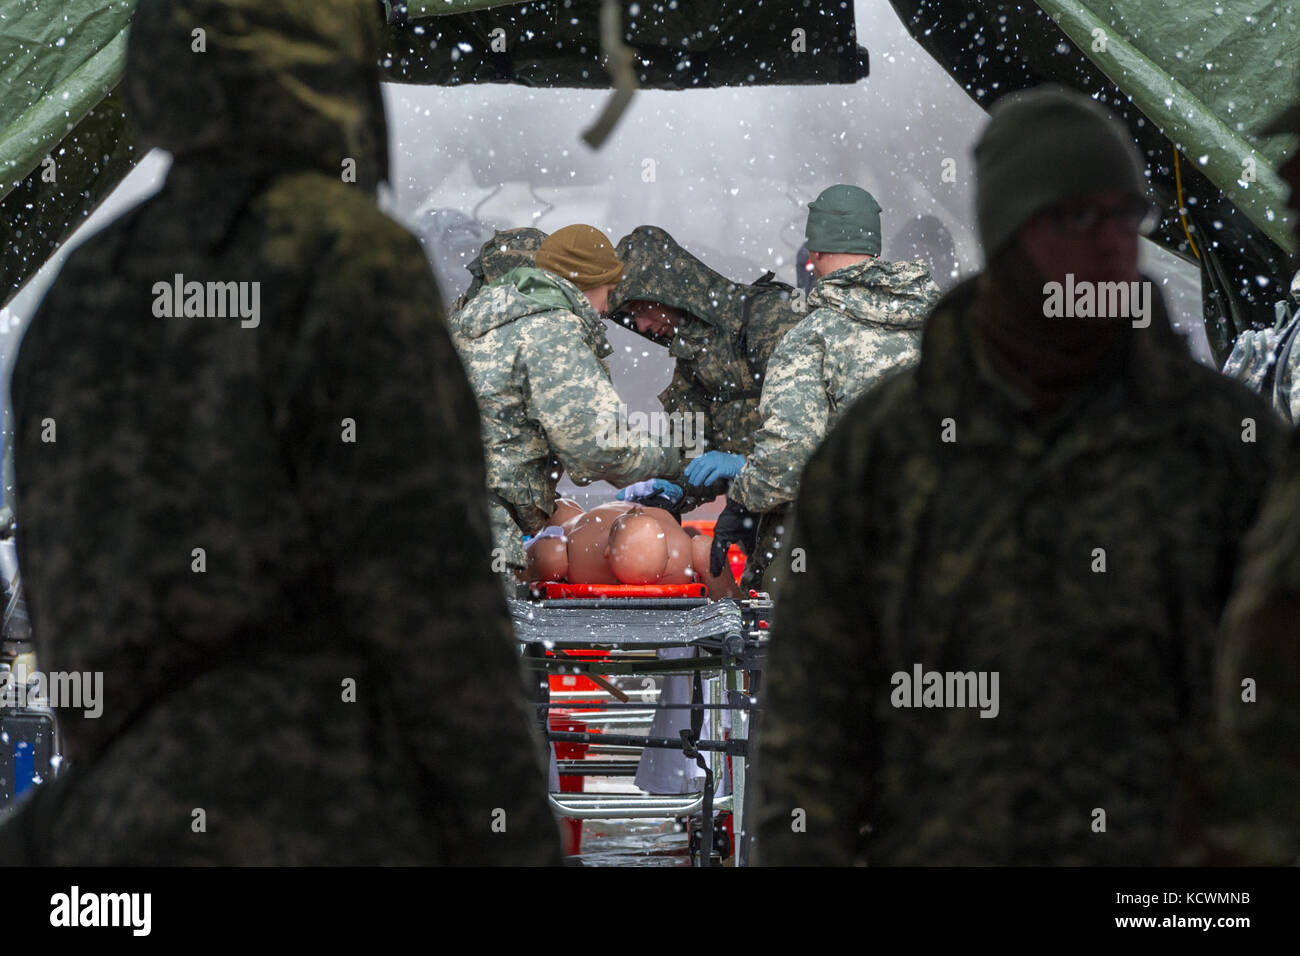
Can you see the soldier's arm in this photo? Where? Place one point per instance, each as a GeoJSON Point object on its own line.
{"type": "Point", "coordinates": [1257, 753]}
{"type": "Point", "coordinates": [570, 394]}
{"type": "Point", "coordinates": [398, 508]}
{"type": "Point", "coordinates": [814, 756]}
{"type": "Point", "coordinates": [795, 411]}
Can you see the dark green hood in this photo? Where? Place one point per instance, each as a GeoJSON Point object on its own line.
{"type": "Point", "coordinates": [656, 268]}
{"type": "Point", "coordinates": [291, 85]}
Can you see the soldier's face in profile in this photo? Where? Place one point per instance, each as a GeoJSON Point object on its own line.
{"type": "Point", "coordinates": [1095, 238]}
{"type": "Point", "coordinates": [655, 317]}
{"type": "Point", "coordinates": [599, 297]}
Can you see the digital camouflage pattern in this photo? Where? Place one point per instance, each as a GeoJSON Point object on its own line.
{"type": "Point", "coordinates": [535, 351]}
{"type": "Point", "coordinates": [985, 554]}
{"type": "Point", "coordinates": [723, 346]}
{"type": "Point", "coordinates": [330, 569]}
{"type": "Point", "coordinates": [865, 324]}
{"type": "Point", "coordinates": [507, 249]}
{"type": "Point", "coordinates": [1267, 361]}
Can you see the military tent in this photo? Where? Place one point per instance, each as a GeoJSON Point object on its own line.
{"type": "Point", "coordinates": [1193, 80]}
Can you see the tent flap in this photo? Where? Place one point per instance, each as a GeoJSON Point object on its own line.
{"type": "Point", "coordinates": [1167, 67]}
{"type": "Point", "coordinates": [57, 60]}
{"type": "Point", "coordinates": [1192, 80]}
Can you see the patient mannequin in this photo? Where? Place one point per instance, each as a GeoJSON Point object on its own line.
{"type": "Point", "coordinates": [722, 586]}
{"type": "Point", "coordinates": [621, 542]}
{"type": "Point", "coordinates": [588, 543]}
{"type": "Point", "coordinates": [638, 548]}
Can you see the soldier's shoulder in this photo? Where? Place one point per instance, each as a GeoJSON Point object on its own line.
{"type": "Point", "coordinates": [1226, 404]}
{"type": "Point", "coordinates": [347, 224]}
{"type": "Point", "coordinates": [810, 331]}
{"type": "Point", "coordinates": [553, 336]}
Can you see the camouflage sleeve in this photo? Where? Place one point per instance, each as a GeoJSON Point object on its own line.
{"type": "Point", "coordinates": [683, 397]}
{"type": "Point", "coordinates": [795, 411]}
{"type": "Point", "coordinates": [808, 808]}
{"type": "Point", "coordinates": [570, 394]}
{"type": "Point", "coordinates": [1258, 750]}
{"type": "Point", "coordinates": [398, 506]}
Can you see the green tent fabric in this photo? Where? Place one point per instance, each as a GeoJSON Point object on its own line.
{"type": "Point", "coordinates": [1207, 82]}
{"type": "Point", "coordinates": [64, 144]}
{"type": "Point", "coordinates": [60, 59]}
{"type": "Point", "coordinates": [1193, 80]}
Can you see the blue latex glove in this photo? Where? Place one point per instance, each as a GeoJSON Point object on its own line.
{"type": "Point", "coordinates": [713, 465]}
{"type": "Point", "coordinates": [651, 486]}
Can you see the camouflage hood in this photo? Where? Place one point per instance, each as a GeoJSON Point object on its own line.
{"type": "Point", "coordinates": [656, 268]}
{"type": "Point", "coordinates": [507, 249]}
{"type": "Point", "coordinates": [291, 85]}
{"type": "Point", "coordinates": [521, 292]}
{"type": "Point", "coordinates": [897, 295]}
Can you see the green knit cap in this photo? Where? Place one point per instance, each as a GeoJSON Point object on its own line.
{"type": "Point", "coordinates": [844, 219]}
{"type": "Point", "coordinates": [1042, 148]}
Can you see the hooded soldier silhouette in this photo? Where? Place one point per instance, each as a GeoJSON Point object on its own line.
{"type": "Point", "coordinates": [269, 537]}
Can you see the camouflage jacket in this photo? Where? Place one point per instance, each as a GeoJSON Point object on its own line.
{"type": "Point", "coordinates": [536, 352]}
{"type": "Point", "coordinates": [1084, 557]}
{"type": "Point", "coordinates": [1268, 362]}
{"type": "Point", "coordinates": [722, 348]}
{"type": "Point", "coordinates": [267, 536]}
{"type": "Point", "coordinates": [1256, 756]}
{"type": "Point", "coordinates": [866, 323]}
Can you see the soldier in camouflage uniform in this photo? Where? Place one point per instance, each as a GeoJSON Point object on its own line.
{"type": "Point", "coordinates": [267, 535]}
{"type": "Point", "coordinates": [1256, 760]}
{"type": "Point", "coordinates": [1055, 503]}
{"type": "Point", "coordinates": [722, 337]}
{"type": "Point", "coordinates": [535, 349]}
{"type": "Point", "coordinates": [507, 249]}
{"type": "Point", "coordinates": [865, 323]}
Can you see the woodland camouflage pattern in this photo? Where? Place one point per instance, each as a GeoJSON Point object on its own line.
{"type": "Point", "coordinates": [325, 561]}
{"type": "Point", "coordinates": [723, 346]}
{"type": "Point", "coordinates": [1259, 743]}
{"type": "Point", "coordinates": [865, 323]}
{"type": "Point", "coordinates": [536, 353]}
{"type": "Point", "coordinates": [978, 555]}
{"type": "Point", "coordinates": [507, 249]}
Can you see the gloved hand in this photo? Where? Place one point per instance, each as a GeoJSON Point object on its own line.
{"type": "Point", "coordinates": [735, 524]}
{"type": "Point", "coordinates": [712, 465]}
{"type": "Point", "coordinates": [651, 486]}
